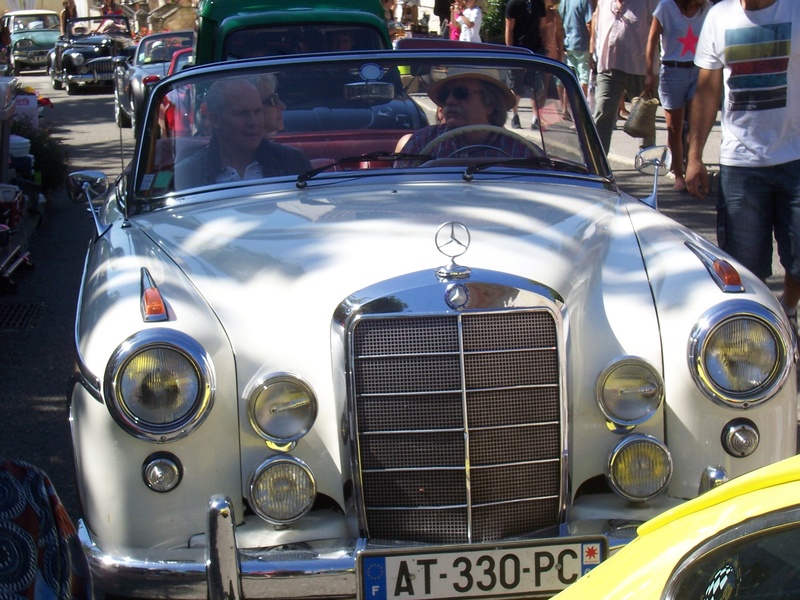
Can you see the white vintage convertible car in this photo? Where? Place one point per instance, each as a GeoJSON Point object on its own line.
{"type": "Point", "coordinates": [462, 365]}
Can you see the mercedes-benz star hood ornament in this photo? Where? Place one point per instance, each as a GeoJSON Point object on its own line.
{"type": "Point", "coordinates": [452, 240]}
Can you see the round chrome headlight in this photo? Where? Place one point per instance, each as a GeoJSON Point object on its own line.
{"type": "Point", "coordinates": [629, 391]}
{"type": "Point", "coordinates": [77, 59]}
{"type": "Point", "coordinates": [159, 385]}
{"type": "Point", "coordinates": [738, 354]}
{"type": "Point", "coordinates": [282, 490]}
{"type": "Point", "coordinates": [282, 408]}
{"type": "Point", "coordinates": [639, 468]}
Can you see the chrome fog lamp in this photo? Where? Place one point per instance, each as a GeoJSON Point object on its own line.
{"type": "Point", "coordinates": [162, 472]}
{"type": "Point", "coordinates": [282, 490]}
{"type": "Point", "coordinates": [740, 437]}
{"type": "Point", "coordinates": [629, 391]}
{"type": "Point", "coordinates": [639, 468]}
{"type": "Point", "coordinates": [159, 385]}
{"type": "Point", "coordinates": [738, 354]}
{"type": "Point", "coordinates": [282, 408]}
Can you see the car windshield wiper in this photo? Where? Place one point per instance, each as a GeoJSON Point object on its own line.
{"type": "Point", "coordinates": [303, 178]}
{"type": "Point", "coordinates": [531, 161]}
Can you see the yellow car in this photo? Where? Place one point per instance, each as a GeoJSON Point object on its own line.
{"type": "Point", "coordinates": [740, 540]}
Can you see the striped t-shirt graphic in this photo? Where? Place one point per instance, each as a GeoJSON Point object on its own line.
{"type": "Point", "coordinates": [758, 58]}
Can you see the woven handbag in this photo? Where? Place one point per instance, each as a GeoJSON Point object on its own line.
{"type": "Point", "coordinates": [642, 120]}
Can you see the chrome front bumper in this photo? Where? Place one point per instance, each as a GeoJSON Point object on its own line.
{"type": "Point", "coordinates": [92, 77]}
{"type": "Point", "coordinates": [319, 569]}
{"type": "Point", "coordinates": [325, 569]}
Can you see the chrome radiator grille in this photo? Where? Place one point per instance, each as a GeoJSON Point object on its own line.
{"type": "Point", "coordinates": [459, 433]}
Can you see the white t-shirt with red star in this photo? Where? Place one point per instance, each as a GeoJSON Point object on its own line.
{"type": "Point", "coordinates": [759, 53]}
{"type": "Point", "coordinates": [680, 33]}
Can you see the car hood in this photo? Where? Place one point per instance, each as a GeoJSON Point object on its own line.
{"type": "Point", "coordinates": [305, 252]}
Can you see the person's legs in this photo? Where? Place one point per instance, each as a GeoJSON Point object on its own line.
{"type": "Point", "coordinates": [745, 217]}
{"type": "Point", "coordinates": [674, 119]}
{"type": "Point", "coordinates": [786, 181]}
{"type": "Point", "coordinates": [608, 91]}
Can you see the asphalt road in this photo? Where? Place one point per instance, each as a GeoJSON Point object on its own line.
{"type": "Point", "coordinates": [37, 360]}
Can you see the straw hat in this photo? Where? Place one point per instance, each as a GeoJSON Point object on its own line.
{"type": "Point", "coordinates": [508, 95]}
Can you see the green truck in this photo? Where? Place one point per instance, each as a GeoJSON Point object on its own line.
{"type": "Point", "coordinates": [236, 29]}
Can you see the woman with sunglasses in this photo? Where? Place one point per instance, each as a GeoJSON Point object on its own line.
{"type": "Point", "coordinates": [469, 99]}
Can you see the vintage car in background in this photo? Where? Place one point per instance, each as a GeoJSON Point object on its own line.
{"type": "Point", "coordinates": [33, 35]}
{"type": "Point", "coordinates": [237, 29]}
{"type": "Point", "coordinates": [740, 540]}
{"type": "Point", "coordinates": [175, 109]}
{"type": "Point", "coordinates": [464, 370]}
{"type": "Point", "coordinates": [85, 55]}
{"type": "Point", "coordinates": [145, 64]}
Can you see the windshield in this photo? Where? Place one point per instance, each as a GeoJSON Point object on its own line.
{"type": "Point", "coordinates": [106, 25]}
{"type": "Point", "coordinates": [280, 40]}
{"type": "Point", "coordinates": [39, 21]}
{"type": "Point", "coordinates": [392, 112]}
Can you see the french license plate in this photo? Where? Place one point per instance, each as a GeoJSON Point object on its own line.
{"type": "Point", "coordinates": [537, 568]}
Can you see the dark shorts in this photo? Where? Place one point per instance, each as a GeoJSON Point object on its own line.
{"type": "Point", "coordinates": [754, 204]}
{"type": "Point", "coordinates": [524, 82]}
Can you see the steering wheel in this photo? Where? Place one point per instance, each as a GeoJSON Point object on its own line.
{"type": "Point", "coordinates": [485, 129]}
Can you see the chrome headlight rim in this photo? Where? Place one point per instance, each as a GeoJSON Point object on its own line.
{"type": "Point", "coordinates": [609, 370]}
{"type": "Point", "coordinates": [261, 469]}
{"type": "Point", "coordinates": [710, 323]}
{"type": "Point", "coordinates": [261, 386]}
{"type": "Point", "coordinates": [147, 340]}
{"type": "Point", "coordinates": [637, 438]}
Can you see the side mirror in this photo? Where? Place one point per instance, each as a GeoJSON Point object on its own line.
{"type": "Point", "coordinates": [86, 186]}
{"type": "Point", "coordinates": [654, 161]}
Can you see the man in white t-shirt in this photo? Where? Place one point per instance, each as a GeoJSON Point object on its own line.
{"type": "Point", "coordinates": [749, 55]}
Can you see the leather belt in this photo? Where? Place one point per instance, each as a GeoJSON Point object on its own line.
{"type": "Point", "coordinates": [678, 64]}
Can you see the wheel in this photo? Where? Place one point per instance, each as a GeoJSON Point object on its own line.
{"type": "Point", "coordinates": [72, 87]}
{"type": "Point", "coordinates": [120, 117]}
{"type": "Point", "coordinates": [16, 69]}
{"type": "Point", "coordinates": [54, 81]}
{"type": "Point", "coordinates": [485, 128]}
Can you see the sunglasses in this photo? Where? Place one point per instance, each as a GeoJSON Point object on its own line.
{"type": "Point", "coordinates": [272, 100]}
{"type": "Point", "coordinates": [459, 93]}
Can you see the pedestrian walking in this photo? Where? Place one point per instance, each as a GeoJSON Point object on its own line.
{"type": "Point", "coordinates": [524, 22]}
{"type": "Point", "coordinates": [749, 55]}
{"type": "Point", "coordinates": [675, 27]}
{"type": "Point", "coordinates": [619, 33]}
{"type": "Point", "coordinates": [576, 16]}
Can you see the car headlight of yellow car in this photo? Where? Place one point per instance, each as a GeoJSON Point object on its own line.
{"type": "Point", "coordinates": [739, 354]}
{"type": "Point", "coordinates": [159, 385]}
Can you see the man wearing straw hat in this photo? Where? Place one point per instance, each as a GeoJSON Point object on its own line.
{"type": "Point", "coordinates": [470, 99]}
